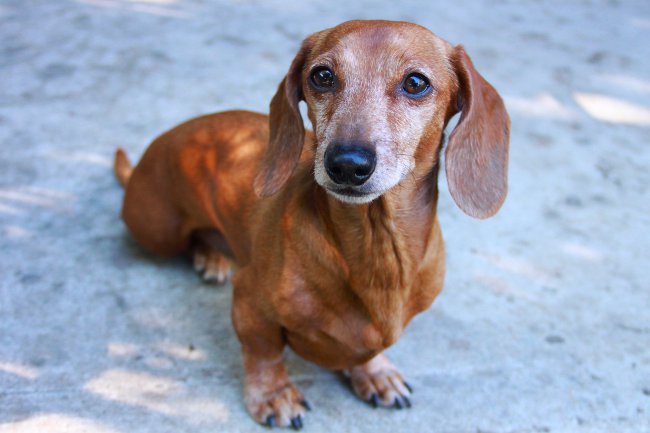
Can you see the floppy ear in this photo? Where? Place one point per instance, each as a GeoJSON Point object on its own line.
{"type": "Point", "coordinates": [287, 131]}
{"type": "Point", "coordinates": [476, 159]}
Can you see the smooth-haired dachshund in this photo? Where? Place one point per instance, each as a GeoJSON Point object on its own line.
{"type": "Point", "coordinates": [333, 233]}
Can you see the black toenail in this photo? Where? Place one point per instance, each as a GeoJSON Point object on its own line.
{"type": "Point", "coordinates": [296, 422]}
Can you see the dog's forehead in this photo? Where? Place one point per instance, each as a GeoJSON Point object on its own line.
{"type": "Point", "coordinates": [381, 46]}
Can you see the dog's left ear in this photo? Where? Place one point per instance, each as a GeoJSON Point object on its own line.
{"type": "Point", "coordinates": [476, 159]}
{"type": "Point", "coordinates": [287, 131]}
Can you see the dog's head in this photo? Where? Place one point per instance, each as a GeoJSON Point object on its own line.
{"type": "Point", "coordinates": [379, 95]}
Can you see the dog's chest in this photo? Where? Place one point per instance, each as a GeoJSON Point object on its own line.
{"type": "Point", "coordinates": [340, 331]}
{"type": "Point", "coordinates": [339, 340]}
{"type": "Point", "coordinates": [348, 308]}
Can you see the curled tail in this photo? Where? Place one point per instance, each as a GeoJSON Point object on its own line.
{"type": "Point", "coordinates": [122, 167]}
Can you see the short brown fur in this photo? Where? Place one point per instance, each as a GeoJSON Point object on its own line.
{"type": "Point", "coordinates": [337, 282]}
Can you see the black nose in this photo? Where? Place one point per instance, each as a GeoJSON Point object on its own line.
{"type": "Point", "coordinates": [349, 164]}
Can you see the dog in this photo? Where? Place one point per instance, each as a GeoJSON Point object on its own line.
{"type": "Point", "coordinates": [334, 232]}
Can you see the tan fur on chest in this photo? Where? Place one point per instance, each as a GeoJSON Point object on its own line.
{"type": "Point", "coordinates": [356, 277]}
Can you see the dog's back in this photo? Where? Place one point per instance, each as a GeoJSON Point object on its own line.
{"type": "Point", "coordinates": [198, 175]}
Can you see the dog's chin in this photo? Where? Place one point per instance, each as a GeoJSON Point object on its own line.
{"type": "Point", "coordinates": [352, 196]}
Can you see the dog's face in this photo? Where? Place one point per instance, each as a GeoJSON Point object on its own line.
{"type": "Point", "coordinates": [373, 95]}
{"type": "Point", "coordinates": [379, 95]}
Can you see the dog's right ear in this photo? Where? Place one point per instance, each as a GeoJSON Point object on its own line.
{"type": "Point", "coordinates": [287, 131]}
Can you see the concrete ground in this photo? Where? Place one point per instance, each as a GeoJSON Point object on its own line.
{"type": "Point", "coordinates": [544, 324]}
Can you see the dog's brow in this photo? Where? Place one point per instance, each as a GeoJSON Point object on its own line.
{"type": "Point", "coordinates": [327, 60]}
{"type": "Point", "coordinates": [418, 67]}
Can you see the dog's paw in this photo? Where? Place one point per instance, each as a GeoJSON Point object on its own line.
{"type": "Point", "coordinates": [214, 267]}
{"type": "Point", "coordinates": [285, 407]}
{"type": "Point", "coordinates": [379, 383]}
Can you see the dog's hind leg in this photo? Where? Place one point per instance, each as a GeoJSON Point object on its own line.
{"type": "Point", "coordinates": [153, 220]}
{"type": "Point", "coordinates": [211, 256]}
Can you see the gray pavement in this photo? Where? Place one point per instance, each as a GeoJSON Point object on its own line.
{"type": "Point", "coordinates": [544, 324]}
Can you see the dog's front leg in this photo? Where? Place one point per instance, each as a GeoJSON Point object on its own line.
{"type": "Point", "coordinates": [270, 396]}
{"type": "Point", "coordinates": [380, 383]}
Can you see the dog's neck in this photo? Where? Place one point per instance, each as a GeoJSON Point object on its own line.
{"type": "Point", "coordinates": [383, 244]}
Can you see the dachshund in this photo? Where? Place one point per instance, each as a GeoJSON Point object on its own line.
{"type": "Point", "coordinates": [333, 234]}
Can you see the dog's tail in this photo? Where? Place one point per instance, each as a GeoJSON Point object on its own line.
{"type": "Point", "coordinates": [122, 167]}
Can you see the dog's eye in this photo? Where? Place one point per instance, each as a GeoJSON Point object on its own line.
{"type": "Point", "coordinates": [416, 84]}
{"type": "Point", "coordinates": [322, 78]}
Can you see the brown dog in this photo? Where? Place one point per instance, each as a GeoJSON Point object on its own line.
{"type": "Point", "coordinates": [334, 233]}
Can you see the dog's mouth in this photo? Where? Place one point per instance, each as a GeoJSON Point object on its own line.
{"type": "Point", "coordinates": [352, 195]}
{"type": "Point", "coordinates": [349, 192]}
